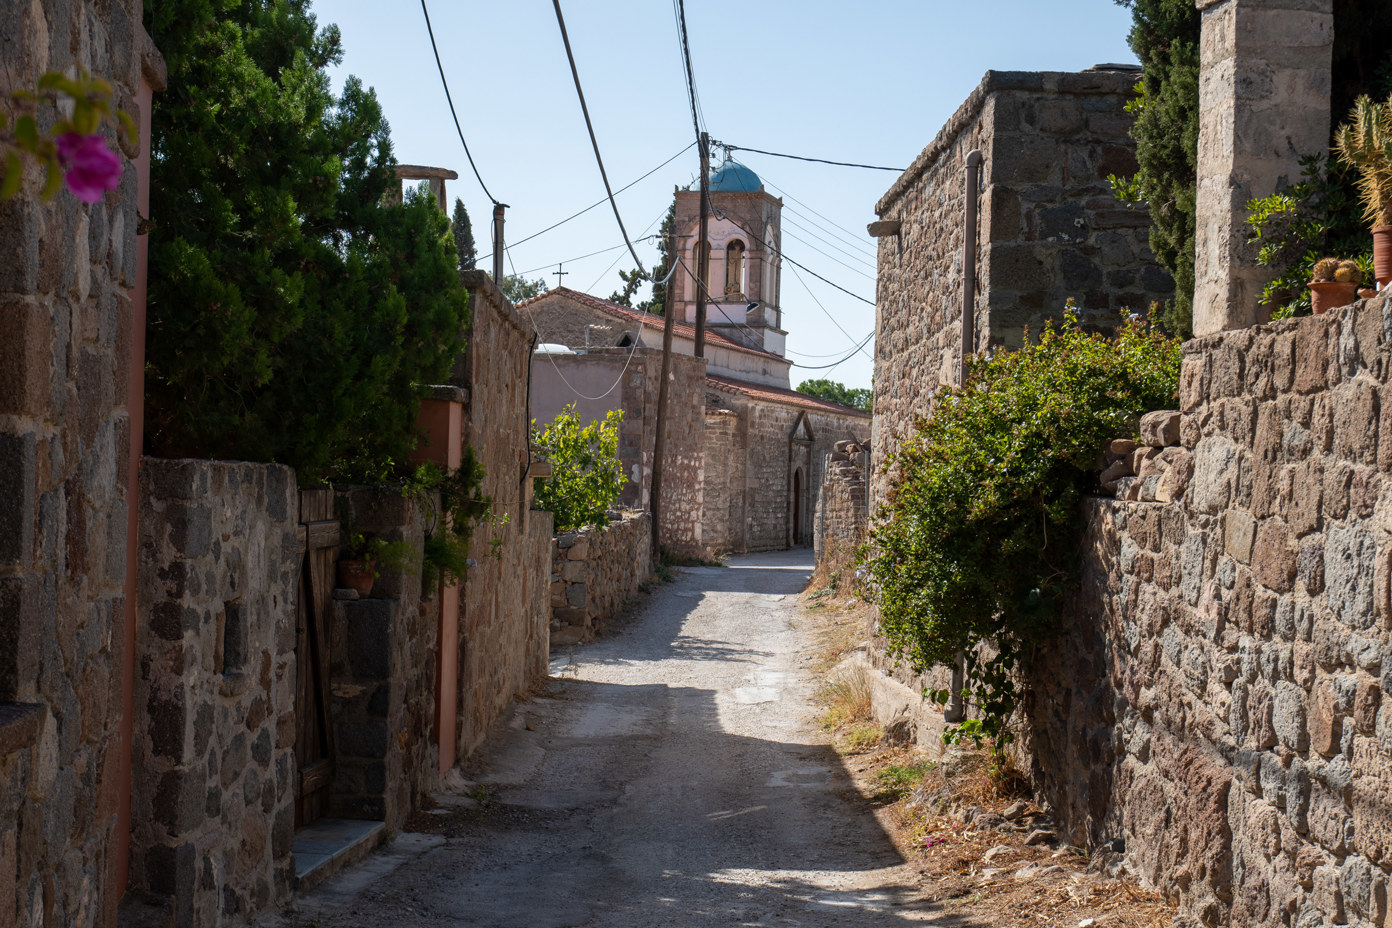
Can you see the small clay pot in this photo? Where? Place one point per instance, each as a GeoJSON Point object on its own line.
{"type": "Point", "coordinates": [357, 574]}
{"type": "Point", "coordinates": [1367, 293]}
{"type": "Point", "coordinates": [1331, 294]}
{"type": "Point", "coordinates": [1382, 255]}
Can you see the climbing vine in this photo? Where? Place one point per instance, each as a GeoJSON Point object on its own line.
{"type": "Point", "coordinates": [977, 543]}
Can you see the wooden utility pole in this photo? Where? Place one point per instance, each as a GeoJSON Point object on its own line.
{"type": "Point", "coordinates": [660, 438]}
{"type": "Point", "coordinates": [703, 268]}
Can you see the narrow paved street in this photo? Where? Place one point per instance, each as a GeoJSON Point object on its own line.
{"type": "Point", "coordinates": [673, 776]}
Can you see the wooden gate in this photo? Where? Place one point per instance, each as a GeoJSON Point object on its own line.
{"type": "Point", "coordinates": [314, 631]}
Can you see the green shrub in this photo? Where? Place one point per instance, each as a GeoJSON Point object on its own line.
{"type": "Point", "coordinates": [1316, 216]}
{"type": "Point", "coordinates": [587, 473]}
{"type": "Point", "coordinates": [978, 540]}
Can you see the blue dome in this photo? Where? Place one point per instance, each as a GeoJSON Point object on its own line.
{"type": "Point", "coordinates": [734, 176]}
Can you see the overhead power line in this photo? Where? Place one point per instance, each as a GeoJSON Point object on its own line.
{"type": "Point", "coordinates": [844, 358]}
{"type": "Point", "coordinates": [849, 336]}
{"type": "Point", "coordinates": [840, 164]}
{"type": "Point", "coordinates": [450, 101]}
{"type": "Point", "coordinates": [594, 143]}
{"type": "Point", "coordinates": [753, 237]}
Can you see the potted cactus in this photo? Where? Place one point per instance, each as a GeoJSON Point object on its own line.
{"type": "Point", "coordinates": [1365, 143]}
{"type": "Point", "coordinates": [1335, 284]}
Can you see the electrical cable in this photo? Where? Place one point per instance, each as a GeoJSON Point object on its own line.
{"type": "Point", "coordinates": [600, 202]}
{"type": "Point", "coordinates": [863, 259]}
{"type": "Point", "coordinates": [450, 100]}
{"type": "Point", "coordinates": [864, 252]}
{"type": "Point", "coordinates": [848, 335]}
{"type": "Point", "coordinates": [637, 343]}
{"type": "Point", "coordinates": [827, 367]}
{"type": "Point", "coordinates": [602, 251]}
{"type": "Point", "coordinates": [686, 61]}
{"type": "Point", "coordinates": [594, 143]}
{"type": "Point", "coordinates": [840, 164]}
{"type": "Point", "coordinates": [779, 253]}
{"type": "Point", "coordinates": [785, 193]}
{"type": "Point", "coordinates": [853, 270]}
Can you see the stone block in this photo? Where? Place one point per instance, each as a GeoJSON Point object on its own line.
{"type": "Point", "coordinates": [1160, 428]}
{"type": "Point", "coordinates": [575, 572]}
{"type": "Point", "coordinates": [580, 550]}
{"type": "Point", "coordinates": [1350, 554]}
{"type": "Point", "coordinates": [1239, 531]}
{"type": "Point", "coordinates": [1326, 720]}
{"type": "Point", "coordinates": [1274, 557]}
{"type": "Point", "coordinates": [1288, 716]}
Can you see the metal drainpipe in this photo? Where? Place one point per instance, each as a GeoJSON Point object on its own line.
{"type": "Point", "coordinates": [956, 708]}
{"type": "Point", "coordinates": [974, 159]}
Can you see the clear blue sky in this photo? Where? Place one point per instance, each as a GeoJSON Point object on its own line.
{"type": "Point", "coordinates": [868, 82]}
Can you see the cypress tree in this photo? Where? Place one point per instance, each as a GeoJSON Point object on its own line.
{"type": "Point", "coordinates": [295, 309]}
{"type": "Point", "coordinates": [463, 237]}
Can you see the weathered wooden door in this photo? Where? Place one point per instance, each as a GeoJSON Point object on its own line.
{"type": "Point", "coordinates": [313, 722]}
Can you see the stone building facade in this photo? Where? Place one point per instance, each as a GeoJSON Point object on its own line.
{"type": "Point", "coordinates": [1049, 229]}
{"type": "Point", "coordinates": [71, 311]}
{"type": "Point", "coordinates": [766, 450]}
{"type": "Point", "coordinates": [627, 379]}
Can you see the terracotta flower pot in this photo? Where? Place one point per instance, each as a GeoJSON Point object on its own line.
{"type": "Point", "coordinates": [1331, 294]}
{"type": "Point", "coordinates": [357, 574]}
{"type": "Point", "coordinates": [1382, 255]}
{"type": "Point", "coordinates": [1366, 293]}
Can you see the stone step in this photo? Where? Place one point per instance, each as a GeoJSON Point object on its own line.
{"type": "Point", "coordinates": [331, 845]}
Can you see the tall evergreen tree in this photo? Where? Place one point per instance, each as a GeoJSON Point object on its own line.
{"type": "Point", "coordinates": [1165, 37]}
{"type": "Point", "coordinates": [294, 311]}
{"type": "Point", "coordinates": [632, 280]}
{"type": "Point", "coordinates": [463, 236]}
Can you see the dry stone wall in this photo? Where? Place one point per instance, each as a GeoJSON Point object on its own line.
{"type": "Point", "coordinates": [843, 500]}
{"type": "Point", "coordinates": [213, 801]}
{"type": "Point", "coordinates": [594, 573]}
{"type": "Point", "coordinates": [66, 269]}
{"type": "Point", "coordinates": [1048, 229]}
{"type": "Point", "coordinates": [1219, 698]}
{"type": "Point", "coordinates": [504, 610]}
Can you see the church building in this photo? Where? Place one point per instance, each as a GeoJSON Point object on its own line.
{"type": "Point", "coordinates": [744, 452]}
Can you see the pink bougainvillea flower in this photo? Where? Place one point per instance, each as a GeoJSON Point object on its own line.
{"type": "Point", "coordinates": [89, 167]}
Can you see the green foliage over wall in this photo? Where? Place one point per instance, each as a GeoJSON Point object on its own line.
{"type": "Point", "coordinates": [823, 389]}
{"type": "Point", "coordinates": [293, 314]}
{"type": "Point", "coordinates": [517, 288]}
{"type": "Point", "coordinates": [978, 539]}
{"type": "Point", "coordinates": [1165, 37]}
{"type": "Point", "coordinates": [587, 473]}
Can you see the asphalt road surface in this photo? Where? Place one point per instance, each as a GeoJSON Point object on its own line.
{"type": "Point", "coordinates": [673, 775]}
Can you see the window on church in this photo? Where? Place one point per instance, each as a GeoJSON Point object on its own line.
{"type": "Point", "coordinates": [734, 270]}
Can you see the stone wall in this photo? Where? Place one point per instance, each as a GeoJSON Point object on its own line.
{"type": "Point", "coordinates": [1048, 229]}
{"type": "Point", "coordinates": [505, 601]}
{"type": "Point", "coordinates": [213, 800]}
{"type": "Point", "coordinates": [66, 335]}
{"type": "Point", "coordinates": [594, 573]}
{"type": "Point", "coordinates": [766, 450]}
{"type": "Point", "coordinates": [382, 674]}
{"type": "Point", "coordinates": [683, 470]}
{"type": "Point", "coordinates": [842, 513]}
{"type": "Point", "coordinates": [1218, 700]}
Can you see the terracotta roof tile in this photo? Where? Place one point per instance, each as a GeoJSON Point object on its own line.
{"type": "Point", "coordinates": [779, 395]}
